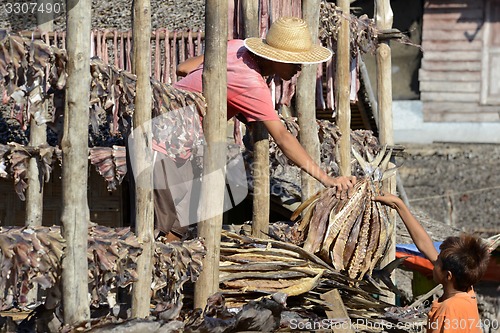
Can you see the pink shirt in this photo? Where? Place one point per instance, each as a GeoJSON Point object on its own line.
{"type": "Point", "coordinates": [247, 91]}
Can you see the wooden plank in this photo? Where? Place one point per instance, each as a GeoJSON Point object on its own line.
{"type": "Point", "coordinates": [452, 24]}
{"type": "Point", "coordinates": [453, 55]}
{"type": "Point", "coordinates": [451, 35]}
{"type": "Point", "coordinates": [449, 96]}
{"type": "Point", "coordinates": [430, 115]}
{"type": "Point", "coordinates": [447, 65]}
{"type": "Point", "coordinates": [424, 75]}
{"type": "Point", "coordinates": [450, 5]}
{"type": "Point", "coordinates": [459, 15]}
{"type": "Point", "coordinates": [460, 107]}
{"type": "Point", "coordinates": [474, 45]}
{"type": "Point", "coordinates": [445, 86]}
{"type": "Point", "coordinates": [337, 311]}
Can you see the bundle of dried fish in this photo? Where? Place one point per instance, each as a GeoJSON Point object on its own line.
{"type": "Point", "coordinates": [175, 264]}
{"type": "Point", "coordinates": [28, 256]}
{"type": "Point", "coordinates": [110, 162]}
{"type": "Point", "coordinates": [14, 160]}
{"type": "Point", "coordinates": [350, 233]}
{"type": "Point", "coordinates": [111, 255]}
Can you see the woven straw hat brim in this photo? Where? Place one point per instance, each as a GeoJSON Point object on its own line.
{"type": "Point", "coordinates": [315, 55]}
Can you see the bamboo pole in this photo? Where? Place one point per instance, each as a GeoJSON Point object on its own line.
{"type": "Point", "coordinates": [75, 216]}
{"type": "Point", "coordinates": [342, 89]}
{"type": "Point", "coordinates": [214, 126]}
{"type": "Point", "coordinates": [261, 191]}
{"type": "Point", "coordinates": [306, 102]}
{"type": "Point", "coordinates": [142, 157]}
{"type": "Point", "coordinates": [383, 19]}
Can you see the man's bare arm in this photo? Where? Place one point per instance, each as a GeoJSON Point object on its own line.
{"type": "Point", "coordinates": [186, 67]}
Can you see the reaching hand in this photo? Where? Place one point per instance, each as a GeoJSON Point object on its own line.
{"type": "Point", "coordinates": [343, 184]}
{"type": "Point", "coordinates": [388, 199]}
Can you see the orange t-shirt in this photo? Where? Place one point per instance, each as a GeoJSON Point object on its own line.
{"type": "Point", "coordinates": [457, 314]}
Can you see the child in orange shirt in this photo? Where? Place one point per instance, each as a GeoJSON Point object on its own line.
{"type": "Point", "coordinates": [461, 263]}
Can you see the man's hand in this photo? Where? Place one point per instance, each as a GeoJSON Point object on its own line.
{"type": "Point", "coordinates": [343, 184]}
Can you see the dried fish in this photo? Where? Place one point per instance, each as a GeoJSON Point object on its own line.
{"type": "Point", "coordinates": [355, 235]}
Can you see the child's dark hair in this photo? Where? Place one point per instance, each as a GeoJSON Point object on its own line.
{"type": "Point", "coordinates": [466, 257]}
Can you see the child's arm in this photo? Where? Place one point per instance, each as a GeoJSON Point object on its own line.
{"type": "Point", "coordinates": [421, 238]}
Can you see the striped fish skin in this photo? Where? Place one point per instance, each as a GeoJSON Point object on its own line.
{"type": "Point", "coordinates": [340, 214]}
{"type": "Point", "coordinates": [361, 249]}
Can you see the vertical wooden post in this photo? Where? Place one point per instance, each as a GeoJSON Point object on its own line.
{"type": "Point", "coordinates": [260, 167]}
{"type": "Point", "coordinates": [142, 156]}
{"type": "Point", "coordinates": [38, 136]}
{"type": "Point", "coordinates": [342, 79]}
{"type": "Point", "coordinates": [383, 19]}
{"type": "Point", "coordinates": [214, 126]}
{"type": "Point", "coordinates": [75, 215]}
{"type": "Point", "coordinates": [306, 102]}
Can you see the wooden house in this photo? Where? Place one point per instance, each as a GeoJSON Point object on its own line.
{"type": "Point", "coordinates": [460, 72]}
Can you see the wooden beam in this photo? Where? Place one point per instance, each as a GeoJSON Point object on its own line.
{"type": "Point", "coordinates": [214, 126]}
{"type": "Point", "coordinates": [305, 97]}
{"type": "Point", "coordinates": [75, 216]}
{"type": "Point", "coordinates": [142, 157]}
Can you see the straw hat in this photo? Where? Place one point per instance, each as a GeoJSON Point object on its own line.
{"type": "Point", "coordinates": [288, 41]}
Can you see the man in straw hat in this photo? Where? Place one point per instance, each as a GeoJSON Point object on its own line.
{"type": "Point", "coordinates": [287, 46]}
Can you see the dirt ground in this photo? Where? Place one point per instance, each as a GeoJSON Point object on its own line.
{"type": "Point", "coordinates": [457, 184]}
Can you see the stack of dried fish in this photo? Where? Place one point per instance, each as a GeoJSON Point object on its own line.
{"type": "Point", "coordinates": [251, 267]}
{"type": "Point", "coordinates": [27, 66]}
{"type": "Point", "coordinates": [32, 255]}
{"type": "Point", "coordinates": [350, 233]}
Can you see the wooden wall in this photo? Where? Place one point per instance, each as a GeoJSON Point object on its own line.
{"type": "Point", "coordinates": [106, 208]}
{"type": "Point", "coordinates": [458, 70]}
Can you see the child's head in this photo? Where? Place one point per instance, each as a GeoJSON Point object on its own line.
{"type": "Point", "coordinates": [466, 258]}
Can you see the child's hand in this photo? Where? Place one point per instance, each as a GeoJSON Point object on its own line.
{"type": "Point", "coordinates": [388, 199]}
